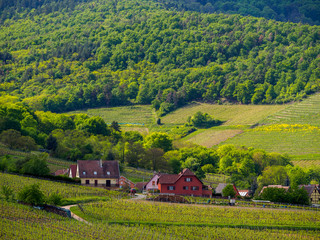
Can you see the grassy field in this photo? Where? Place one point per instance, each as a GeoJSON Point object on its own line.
{"type": "Point", "coordinates": [230, 114]}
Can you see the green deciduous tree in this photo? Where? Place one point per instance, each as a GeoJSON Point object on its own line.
{"type": "Point", "coordinates": [229, 191]}
{"type": "Point", "coordinates": [159, 140]}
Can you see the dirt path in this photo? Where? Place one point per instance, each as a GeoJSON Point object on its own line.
{"type": "Point", "coordinates": [74, 215]}
{"type": "Point", "coordinates": [138, 196]}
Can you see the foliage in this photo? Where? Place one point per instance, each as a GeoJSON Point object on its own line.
{"type": "Point", "coordinates": [31, 194]}
{"type": "Point", "coordinates": [229, 191]}
{"type": "Point", "coordinates": [173, 57]}
{"type": "Point", "coordinates": [14, 140]}
{"type": "Point", "coordinates": [293, 195]}
{"type": "Point", "coordinates": [295, 11]}
{"type": "Point", "coordinates": [35, 165]}
{"type": "Point", "coordinates": [7, 192]}
{"type": "Point", "coordinates": [202, 120]}
{"type": "Point", "coordinates": [54, 199]}
{"type": "Point", "coordinates": [159, 140]}
{"type": "Point", "coordinates": [273, 175]}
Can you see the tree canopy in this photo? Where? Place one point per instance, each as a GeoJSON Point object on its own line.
{"type": "Point", "coordinates": [64, 56]}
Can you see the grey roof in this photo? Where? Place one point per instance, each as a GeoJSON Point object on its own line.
{"type": "Point", "coordinates": [220, 188]}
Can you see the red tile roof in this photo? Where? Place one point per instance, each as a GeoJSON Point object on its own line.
{"type": "Point", "coordinates": [172, 178]}
{"type": "Point", "coordinates": [140, 185]}
{"type": "Point", "coordinates": [187, 172]}
{"type": "Point", "coordinates": [168, 178]}
{"type": "Point", "coordinates": [73, 170]}
{"type": "Point", "coordinates": [98, 169]}
{"type": "Point", "coordinates": [61, 172]}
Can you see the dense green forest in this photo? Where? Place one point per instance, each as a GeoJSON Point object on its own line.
{"type": "Point", "coordinates": [106, 53]}
{"type": "Point", "coordinates": [305, 11]}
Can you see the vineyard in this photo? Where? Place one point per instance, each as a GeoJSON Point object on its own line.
{"type": "Point", "coordinates": [299, 141]}
{"type": "Point", "coordinates": [153, 212]}
{"type": "Point", "coordinates": [22, 222]}
{"type": "Point", "coordinates": [305, 112]}
{"type": "Point", "coordinates": [67, 191]}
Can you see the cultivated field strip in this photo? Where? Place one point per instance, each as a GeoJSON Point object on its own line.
{"type": "Point", "coordinates": [23, 222]}
{"type": "Point", "coordinates": [66, 190]}
{"type": "Point", "coordinates": [304, 112]}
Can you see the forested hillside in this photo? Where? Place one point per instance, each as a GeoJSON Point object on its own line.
{"type": "Point", "coordinates": [305, 11]}
{"type": "Point", "coordinates": [110, 53]}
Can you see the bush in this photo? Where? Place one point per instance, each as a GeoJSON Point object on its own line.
{"type": "Point", "coordinates": [54, 199]}
{"type": "Point", "coordinates": [202, 120]}
{"type": "Point", "coordinates": [32, 195]}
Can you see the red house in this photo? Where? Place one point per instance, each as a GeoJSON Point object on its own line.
{"type": "Point", "coordinates": [184, 183]}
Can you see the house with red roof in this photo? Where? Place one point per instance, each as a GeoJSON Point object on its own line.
{"type": "Point", "coordinates": [123, 182]}
{"type": "Point", "coordinates": [98, 173]}
{"type": "Point", "coordinates": [184, 183]}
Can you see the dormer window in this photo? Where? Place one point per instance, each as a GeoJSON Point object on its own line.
{"type": "Point", "coordinates": [84, 173]}
{"type": "Point", "coordinates": [95, 173]}
{"type": "Point", "coordinates": [108, 173]}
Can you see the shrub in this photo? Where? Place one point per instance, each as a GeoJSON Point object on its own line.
{"type": "Point", "coordinates": [31, 194]}
{"type": "Point", "coordinates": [54, 199]}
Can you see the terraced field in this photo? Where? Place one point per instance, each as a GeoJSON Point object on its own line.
{"type": "Point", "coordinates": [300, 145]}
{"type": "Point", "coordinates": [305, 112]}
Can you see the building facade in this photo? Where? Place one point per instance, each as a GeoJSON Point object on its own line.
{"type": "Point", "coordinates": [184, 183]}
{"type": "Point", "coordinates": [98, 173]}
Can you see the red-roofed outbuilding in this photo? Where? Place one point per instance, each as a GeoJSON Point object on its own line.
{"type": "Point", "coordinates": [184, 183]}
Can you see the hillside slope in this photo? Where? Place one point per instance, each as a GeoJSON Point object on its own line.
{"type": "Point", "coordinates": [105, 53]}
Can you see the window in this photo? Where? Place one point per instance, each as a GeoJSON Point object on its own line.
{"type": "Point", "coordinates": [171, 188]}
{"type": "Point", "coordinates": [153, 182]}
{"type": "Point", "coordinates": [108, 173]}
{"type": "Point", "coordinates": [195, 188]}
{"type": "Point", "coordinates": [95, 173]}
{"type": "Point", "coordinates": [185, 187]}
{"type": "Point", "coordinates": [84, 173]}
{"type": "Point", "coordinates": [188, 179]}
{"type": "Point", "coordinates": [87, 182]}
